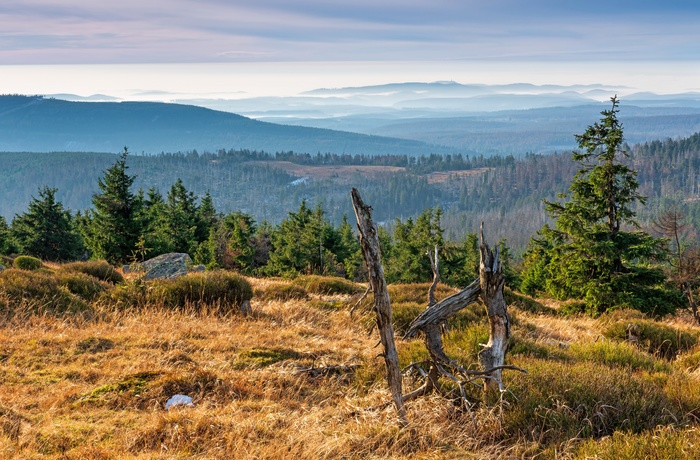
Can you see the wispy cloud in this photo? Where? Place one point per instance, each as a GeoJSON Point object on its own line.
{"type": "Point", "coordinates": [85, 31]}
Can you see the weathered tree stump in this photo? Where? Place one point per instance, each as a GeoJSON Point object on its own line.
{"type": "Point", "coordinates": [491, 282]}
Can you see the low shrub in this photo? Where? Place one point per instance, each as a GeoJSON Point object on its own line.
{"type": "Point", "coordinates": [327, 285]}
{"type": "Point", "coordinates": [37, 292]}
{"type": "Point", "coordinates": [282, 292]}
{"type": "Point", "coordinates": [220, 290]}
{"type": "Point", "coordinates": [559, 401]}
{"type": "Point", "coordinates": [464, 344]}
{"type": "Point", "coordinates": [125, 296]}
{"type": "Point", "coordinates": [27, 263]}
{"type": "Point", "coordinates": [100, 269]}
{"type": "Point", "coordinates": [83, 285]}
{"type": "Point", "coordinates": [403, 314]}
{"type": "Point", "coordinates": [656, 338]}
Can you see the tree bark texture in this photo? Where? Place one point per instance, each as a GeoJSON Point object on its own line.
{"type": "Point", "coordinates": [491, 282]}
{"type": "Point", "coordinates": [382, 305]}
{"type": "Point", "coordinates": [444, 309]}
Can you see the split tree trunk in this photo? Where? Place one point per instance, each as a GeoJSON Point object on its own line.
{"type": "Point", "coordinates": [491, 281]}
{"type": "Point", "coordinates": [382, 305]}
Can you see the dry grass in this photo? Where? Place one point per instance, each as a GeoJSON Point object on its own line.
{"type": "Point", "coordinates": [95, 387]}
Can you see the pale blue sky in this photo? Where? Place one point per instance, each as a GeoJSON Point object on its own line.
{"type": "Point", "coordinates": [169, 31]}
{"type": "Point", "coordinates": [645, 45]}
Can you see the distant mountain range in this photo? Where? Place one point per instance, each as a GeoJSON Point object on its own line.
{"type": "Point", "coordinates": [38, 124]}
{"type": "Point", "coordinates": [407, 118]}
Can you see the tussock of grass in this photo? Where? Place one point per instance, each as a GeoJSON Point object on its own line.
{"type": "Point", "coordinates": [223, 290]}
{"type": "Point", "coordinates": [281, 291]}
{"type": "Point", "coordinates": [30, 292]}
{"type": "Point", "coordinates": [616, 354]}
{"type": "Point", "coordinates": [327, 285]}
{"type": "Point", "coordinates": [417, 292]}
{"type": "Point", "coordinates": [666, 443]}
{"type": "Point", "coordinates": [579, 400]}
{"type": "Point", "coordinates": [85, 286]}
{"type": "Point", "coordinates": [219, 291]}
{"type": "Point", "coordinates": [257, 358]}
{"type": "Point", "coordinates": [657, 338]}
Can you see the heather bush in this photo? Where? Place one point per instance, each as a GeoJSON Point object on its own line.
{"type": "Point", "coordinates": [100, 269]}
{"type": "Point", "coordinates": [83, 285]}
{"type": "Point", "coordinates": [220, 290]}
{"type": "Point", "coordinates": [37, 292]}
{"type": "Point", "coordinates": [27, 263]}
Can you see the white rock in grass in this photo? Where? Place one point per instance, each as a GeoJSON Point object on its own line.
{"type": "Point", "coordinates": [178, 400]}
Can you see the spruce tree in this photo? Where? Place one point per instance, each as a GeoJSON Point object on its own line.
{"type": "Point", "coordinates": [408, 261]}
{"type": "Point", "coordinates": [112, 228]}
{"type": "Point", "coordinates": [6, 244]}
{"type": "Point", "coordinates": [155, 233]}
{"type": "Point", "coordinates": [596, 251]}
{"type": "Point", "coordinates": [46, 230]}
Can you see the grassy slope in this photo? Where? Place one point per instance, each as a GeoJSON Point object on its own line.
{"type": "Point", "coordinates": [95, 386]}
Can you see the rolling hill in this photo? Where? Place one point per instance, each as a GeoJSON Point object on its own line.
{"type": "Point", "coordinates": [38, 124]}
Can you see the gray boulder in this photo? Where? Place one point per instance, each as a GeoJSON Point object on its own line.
{"type": "Point", "coordinates": [165, 266]}
{"type": "Point", "coordinates": [2, 267]}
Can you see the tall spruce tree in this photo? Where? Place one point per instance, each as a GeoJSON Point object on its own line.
{"type": "Point", "coordinates": [112, 228]}
{"type": "Point", "coordinates": [596, 251]}
{"type": "Point", "coordinates": [46, 230]}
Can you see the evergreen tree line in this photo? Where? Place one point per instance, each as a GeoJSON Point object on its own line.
{"type": "Point", "coordinates": [507, 195]}
{"type": "Point", "coordinates": [124, 226]}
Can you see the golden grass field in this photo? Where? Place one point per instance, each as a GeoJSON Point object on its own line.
{"type": "Point", "coordinates": [92, 384]}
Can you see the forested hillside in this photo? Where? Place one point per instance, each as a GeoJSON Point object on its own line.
{"type": "Point", "coordinates": [34, 123]}
{"type": "Point", "coordinates": [505, 192]}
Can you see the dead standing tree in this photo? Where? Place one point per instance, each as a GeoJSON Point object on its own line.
{"type": "Point", "coordinates": [382, 304]}
{"type": "Point", "coordinates": [490, 287]}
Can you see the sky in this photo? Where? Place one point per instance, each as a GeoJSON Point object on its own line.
{"type": "Point", "coordinates": [276, 46]}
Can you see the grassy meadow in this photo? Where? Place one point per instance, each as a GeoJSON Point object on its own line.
{"type": "Point", "coordinates": [88, 360]}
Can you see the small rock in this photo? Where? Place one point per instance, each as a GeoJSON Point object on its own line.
{"type": "Point", "coordinates": [179, 400]}
{"type": "Point", "coordinates": [199, 268]}
{"type": "Point", "coordinates": [126, 269]}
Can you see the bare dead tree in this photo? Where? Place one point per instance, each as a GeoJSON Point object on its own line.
{"type": "Point", "coordinates": [382, 304]}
